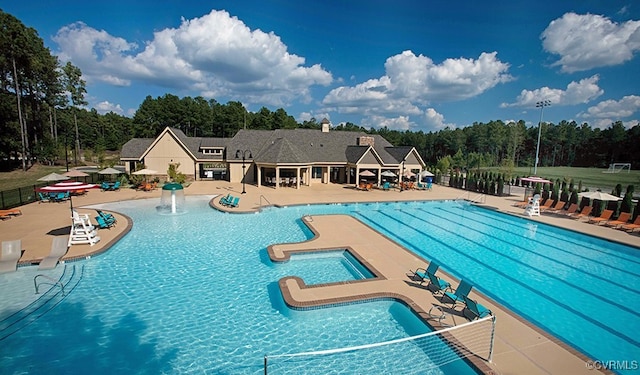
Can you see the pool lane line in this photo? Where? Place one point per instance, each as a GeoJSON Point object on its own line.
{"type": "Point", "coordinates": [545, 244]}
{"type": "Point", "coordinates": [516, 281]}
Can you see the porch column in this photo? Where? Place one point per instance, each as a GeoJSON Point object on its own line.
{"type": "Point", "coordinates": [259, 175]}
{"type": "Point", "coordinates": [297, 177]}
{"type": "Point", "coordinates": [277, 177]}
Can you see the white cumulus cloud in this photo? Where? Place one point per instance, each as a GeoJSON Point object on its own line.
{"type": "Point", "coordinates": [579, 92]}
{"type": "Point", "coordinates": [216, 54]}
{"type": "Point", "coordinates": [411, 82]}
{"type": "Point", "coordinates": [587, 41]}
{"type": "Point", "coordinates": [106, 107]}
{"type": "Point", "coordinates": [605, 113]}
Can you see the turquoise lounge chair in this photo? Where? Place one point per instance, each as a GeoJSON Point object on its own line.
{"type": "Point", "coordinates": [477, 310]}
{"type": "Point", "coordinates": [44, 197]}
{"type": "Point", "coordinates": [422, 274]}
{"type": "Point", "coordinates": [226, 200]}
{"type": "Point", "coordinates": [107, 217]}
{"type": "Point", "coordinates": [460, 294]}
{"type": "Point", "coordinates": [386, 185]}
{"type": "Point", "coordinates": [105, 186]}
{"type": "Point", "coordinates": [437, 285]}
{"type": "Point", "coordinates": [103, 224]}
{"type": "Point", "coordinates": [234, 202]}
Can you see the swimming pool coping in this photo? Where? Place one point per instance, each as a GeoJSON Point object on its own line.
{"type": "Point", "coordinates": [292, 287]}
{"type": "Point", "coordinates": [47, 216]}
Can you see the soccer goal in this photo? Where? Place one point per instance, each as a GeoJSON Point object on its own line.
{"type": "Point", "coordinates": [419, 354]}
{"type": "Point", "coordinates": [618, 167]}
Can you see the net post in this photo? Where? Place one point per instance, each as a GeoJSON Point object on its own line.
{"type": "Point", "coordinates": [265, 364]}
{"type": "Point", "coordinates": [493, 331]}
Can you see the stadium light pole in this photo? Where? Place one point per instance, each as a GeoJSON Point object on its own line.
{"type": "Point", "coordinates": [541, 104]}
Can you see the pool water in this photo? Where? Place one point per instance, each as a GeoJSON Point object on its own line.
{"type": "Point", "coordinates": [326, 267]}
{"type": "Point", "coordinates": [584, 290]}
{"type": "Point", "coordinates": [196, 293]}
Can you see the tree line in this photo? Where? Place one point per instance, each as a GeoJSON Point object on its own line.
{"type": "Point", "coordinates": [43, 117]}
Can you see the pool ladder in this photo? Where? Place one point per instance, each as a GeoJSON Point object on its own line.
{"type": "Point", "coordinates": [55, 282]}
{"type": "Point", "coordinates": [265, 198]}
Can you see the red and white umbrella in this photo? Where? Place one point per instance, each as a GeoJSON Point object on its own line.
{"type": "Point", "coordinates": [535, 179]}
{"type": "Point", "coordinates": [67, 186]}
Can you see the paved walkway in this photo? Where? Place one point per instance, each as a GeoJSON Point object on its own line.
{"type": "Point", "coordinates": [520, 348]}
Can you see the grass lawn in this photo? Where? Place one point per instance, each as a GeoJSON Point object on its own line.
{"type": "Point", "coordinates": [592, 178]}
{"type": "Point", "coordinates": [18, 178]}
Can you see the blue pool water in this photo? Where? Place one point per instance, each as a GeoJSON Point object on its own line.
{"type": "Point", "coordinates": [196, 293]}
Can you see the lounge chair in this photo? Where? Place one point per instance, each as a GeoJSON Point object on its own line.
{"type": "Point", "coordinates": [59, 247]}
{"type": "Point", "coordinates": [437, 285]}
{"type": "Point", "coordinates": [386, 185]}
{"type": "Point", "coordinates": [116, 186]}
{"type": "Point", "coordinates": [103, 224]}
{"type": "Point", "coordinates": [622, 219]}
{"type": "Point", "coordinates": [11, 253]}
{"type": "Point", "coordinates": [422, 274]}
{"type": "Point", "coordinates": [573, 208]}
{"type": "Point", "coordinates": [524, 203]}
{"type": "Point", "coordinates": [226, 199]}
{"type": "Point", "coordinates": [477, 310]}
{"type": "Point", "coordinates": [546, 205]}
{"type": "Point", "coordinates": [105, 186]}
{"type": "Point", "coordinates": [11, 212]}
{"type": "Point", "coordinates": [559, 206]}
{"type": "Point", "coordinates": [108, 218]}
{"type": "Point", "coordinates": [44, 197]}
{"type": "Point", "coordinates": [633, 226]}
{"type": "Point", "coordinates": [584, 213]}
{"type": "Point", "coordinates": [604, 216]}
{"type": "Point", "coordinates": [234, 202]}
{"type": "Point", "coordinates": [461, 292]}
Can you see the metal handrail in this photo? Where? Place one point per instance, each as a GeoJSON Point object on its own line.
{"type": "Point", "coordinates": [265, 198]}
{"type": "Point", "coordinates": [55, 282]}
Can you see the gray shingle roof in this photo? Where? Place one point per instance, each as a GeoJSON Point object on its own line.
{"type": "Point", "coordinates": [283, 146]}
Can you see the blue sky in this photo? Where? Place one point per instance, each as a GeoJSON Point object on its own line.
{"type": "Point", "coordinates": [408, 65]}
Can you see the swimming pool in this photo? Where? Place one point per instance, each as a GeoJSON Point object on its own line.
{"type": "Point", "coordinates": [197, 293]}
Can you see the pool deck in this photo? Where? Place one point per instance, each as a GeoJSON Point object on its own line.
{"type": "Point", "coordinates": [520, 348]}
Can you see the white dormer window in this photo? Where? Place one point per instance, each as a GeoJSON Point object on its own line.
{"type": "Point", "coordinates": [212, 151]}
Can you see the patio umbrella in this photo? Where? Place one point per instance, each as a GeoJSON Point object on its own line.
{"type": "Point", "coordinates": [67, 186]}
{"type": "Point", "coordinates": [109, 171]}
{"type": "Point", "coordinates": [388, 174]}
{"type": "Point", "coordinates": [599, 196]}
{"type": "Point", "coordinates": [426, 174]}
{"type": "Point", "coordinates": [145, 172]}
{"type": "Point", "coordinates": [367, 173]}
{"type": "Point", "coordinates": [53, 177]}
{"type": "Point", "coordinates": [407, 173]}
{"type": "Point", "coordinates": [75, 173]}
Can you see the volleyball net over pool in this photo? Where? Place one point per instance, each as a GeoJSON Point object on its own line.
{"type": "Point", "coordinates": [423, 354]}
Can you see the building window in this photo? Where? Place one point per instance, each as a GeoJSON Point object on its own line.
{"type": "Point", "coordinates": [316, 172]}
{"type": "Point", "coordinates": [210, 151]}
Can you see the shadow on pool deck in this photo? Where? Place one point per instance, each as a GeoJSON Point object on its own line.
{"type": "Point", "coordinates": [519, 347]}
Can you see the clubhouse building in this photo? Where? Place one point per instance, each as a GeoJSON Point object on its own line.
{"type": "Point", "coordinates": [278, 158]}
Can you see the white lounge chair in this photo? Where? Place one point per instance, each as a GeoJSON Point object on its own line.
{"type": "Point", "coordinates": [59, 247]}
{"type": "Point", "coordinates": [11, 253]}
